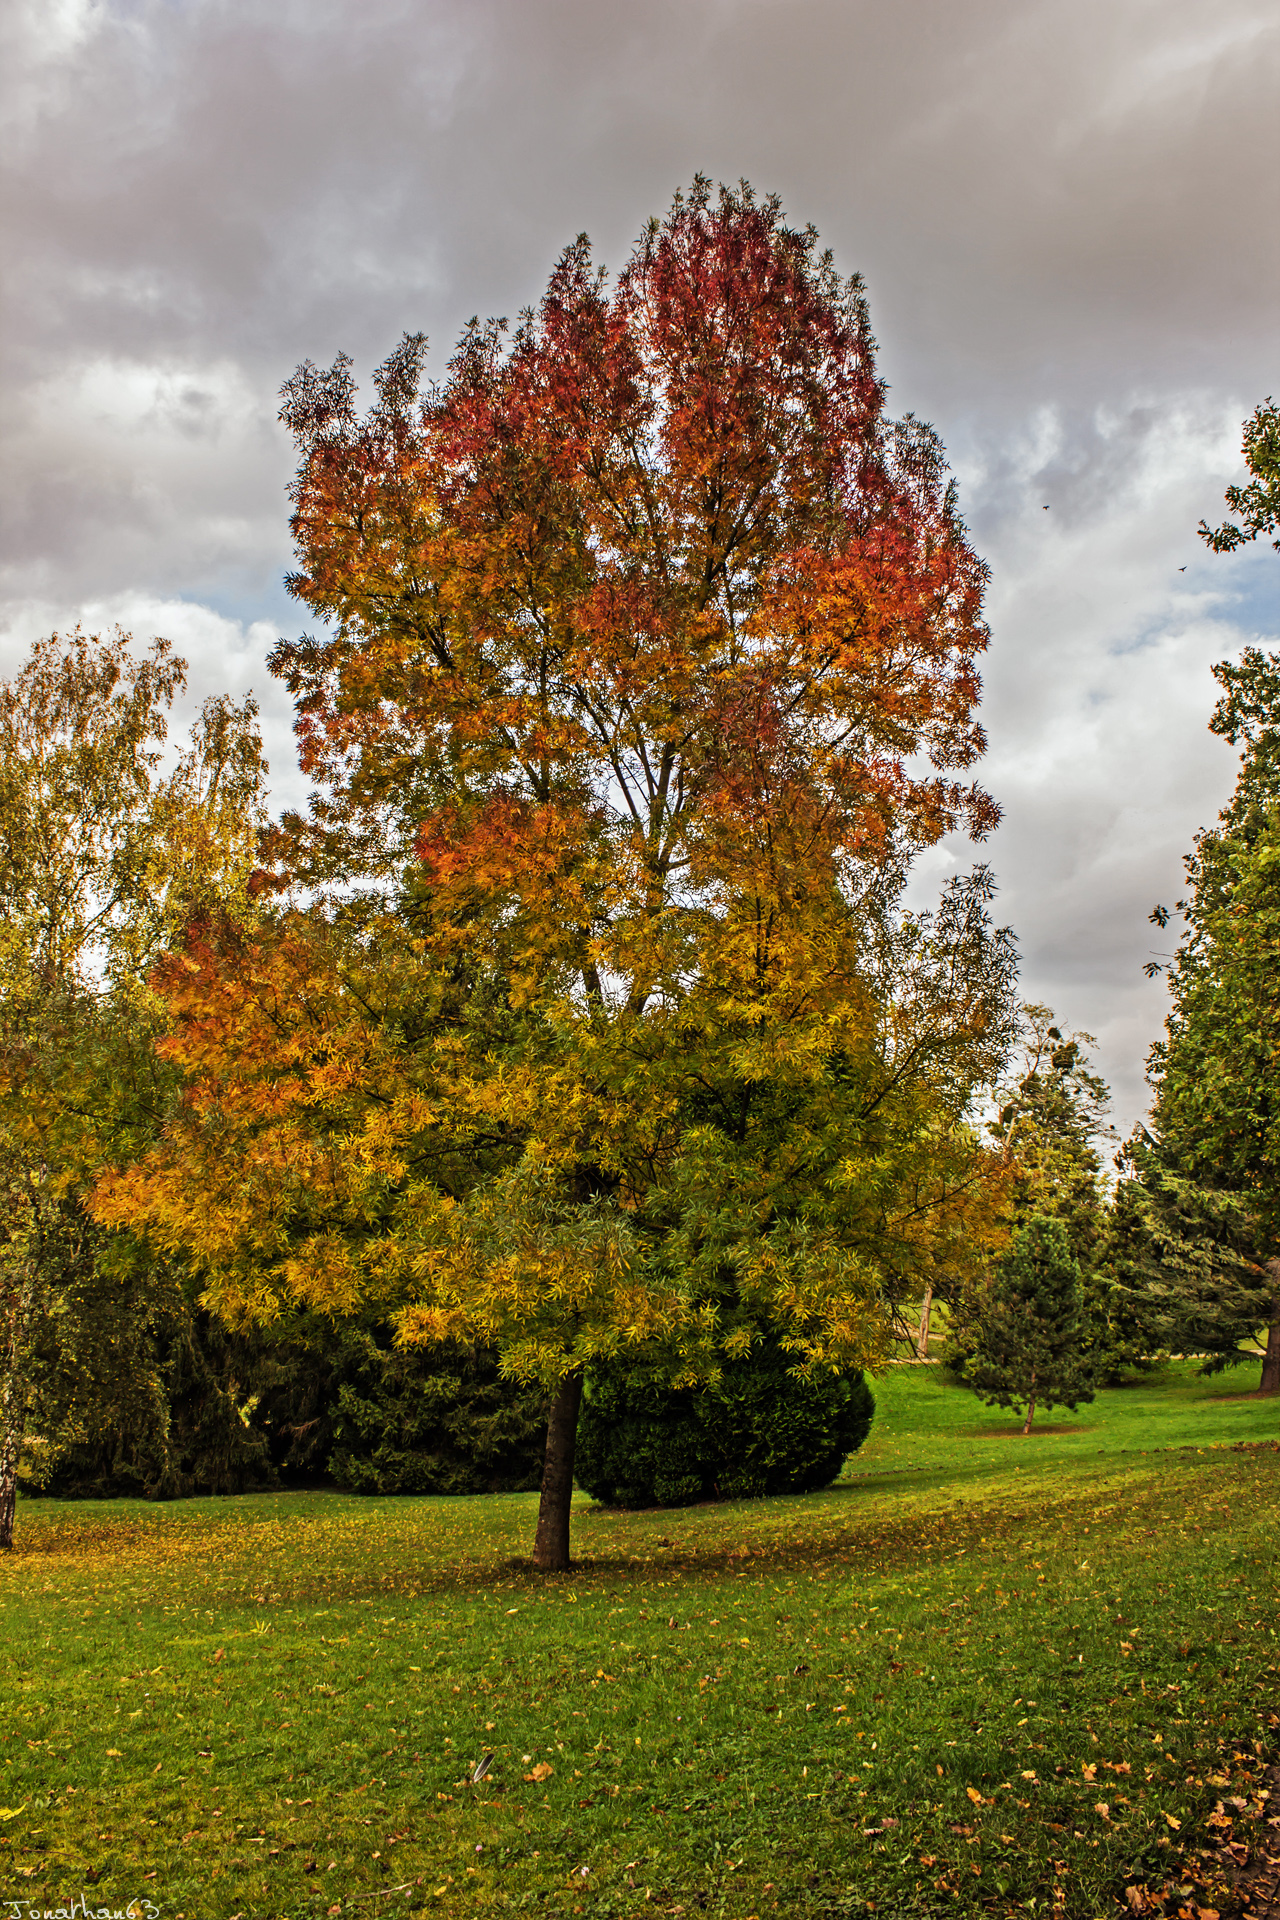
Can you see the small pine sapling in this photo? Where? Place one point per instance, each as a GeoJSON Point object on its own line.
{"type": "Point", "coordinates": [1018, 1341]}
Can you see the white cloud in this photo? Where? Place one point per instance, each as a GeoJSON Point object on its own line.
{"type": "Point", "coordinates": [223, 656]}
{"type": "Point", "coordinates": [1099, 693]}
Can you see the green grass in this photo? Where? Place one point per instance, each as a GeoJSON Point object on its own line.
{"type": "Point", "coordinates": [886, 1695]}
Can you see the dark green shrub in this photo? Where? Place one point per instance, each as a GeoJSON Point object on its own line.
{"type": "Point", "coordinates": [758, 1431]}
{"type": "Point", "coordinates": [199, 1433]}
{"type": "Point", "coordinates": [431, 1420]}
{"type": "Point", "coordinates": [306, 1403]}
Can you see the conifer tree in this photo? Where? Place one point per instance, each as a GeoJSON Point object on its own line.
{"type": "Point", "coordinates": [1051, 1121]}
{"type": "Point", "coordinates": [1053, 1128]}
{"type": "Point", "coordinates": [1209, 1161]}
{"type": "Point", "coordinates": [1018, 1338]}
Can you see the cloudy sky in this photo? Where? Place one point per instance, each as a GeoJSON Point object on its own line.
{"type": "Point", "coordinates": [1064, 211]}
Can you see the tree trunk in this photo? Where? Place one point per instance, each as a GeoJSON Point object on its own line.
{"type": "Point", "coordinates": [13, 1401]}
{"type": "Point", "coordinates": [551, 1543]}
{"type": "Point", "coordinates": [1031, 1403]}
{"type": "Point", "coordinates": [1270, 1382]}
{"type": "Point", "coordinates": [12, 1426]}
{"type": "Point", "coordinates": [922, 1337]}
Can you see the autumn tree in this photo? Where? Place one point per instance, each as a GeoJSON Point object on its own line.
{"type": "Point", "coordinates": [647, 661]}
{"type": "Point", "coordinates": [1210, 1159]}
{"type": "Point", "coordinates": [103, 854]}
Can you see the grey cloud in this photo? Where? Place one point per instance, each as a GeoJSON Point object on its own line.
{"type": "Point", "coordinates": [1064, 214]}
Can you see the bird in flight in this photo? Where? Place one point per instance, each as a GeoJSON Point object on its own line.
{"type": "Point", "coordinates": [1181, 569]}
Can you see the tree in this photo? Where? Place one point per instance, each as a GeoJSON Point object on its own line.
{"type": "Point", "coordinates": [1017, 1340]}
{"type": "Point", "coordinates": [760, 1431]}
{"type": "Point", "coordinates": [101, 856]}
{"type": "Point", "coordinates": [1211, 1156]}
{"type": "Point", "coordinates": [1180, 1258]}
{"type": "Point", "coordinates": [1051, 1114]}
{"type": "Point", "coordinates": [649, 660]}
{"type": "Point", "coordinates": [1052, 1124]}
{"type": "Point", "coordinates": [1258, 503]}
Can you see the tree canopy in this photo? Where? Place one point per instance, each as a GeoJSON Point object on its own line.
{"type": "Point", "coordinates": [102, 855]}
{"type": "Point", "coordinates": [1257, 503]}
{"type": "Point", "coordinates": [648, 661]}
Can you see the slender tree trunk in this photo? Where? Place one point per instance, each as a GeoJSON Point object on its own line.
{"type": "Point", "coordinates": [13, 1399]}
{"type": "Point", "coordinates": [1270, 1382]}
{"type": "Point", "coordinates": [922, 1337]}
{"type": "Point", "coordinates": [1031, 1403]}
{"type": "Point", "coordinates": [551, 1543]}
{"type": "Point", "coordinates": [10, 1450]}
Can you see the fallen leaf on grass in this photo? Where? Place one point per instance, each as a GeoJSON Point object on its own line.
{"type": "Point", "coordinates": [543, 1771]}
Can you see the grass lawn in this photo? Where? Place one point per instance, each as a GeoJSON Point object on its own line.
{"type": "Point", "coordinates": [981, 1674]}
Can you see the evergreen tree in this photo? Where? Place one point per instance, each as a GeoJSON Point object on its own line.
{"type": "Point", "coordinates": [1179, 1261]}
{"type": "Point", "coordinates": [1053, 1111]}
{"type": "Point", "coordinates": [1053, 1127]}
{"type": "Point", "coordinates": [1209, 1163]}
{"type": "Point", "coordinates": [1018, 1340]}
